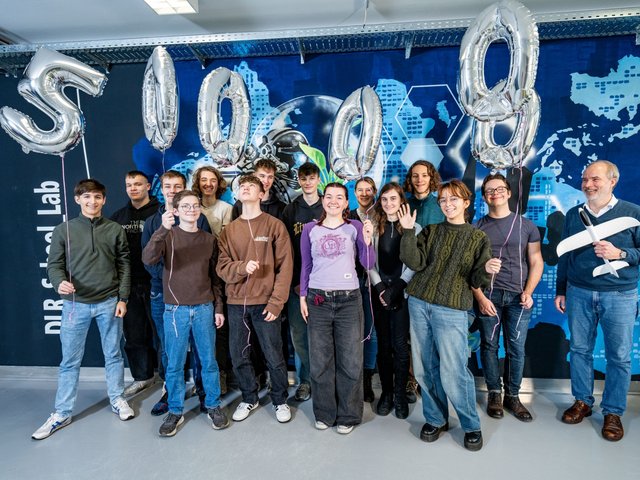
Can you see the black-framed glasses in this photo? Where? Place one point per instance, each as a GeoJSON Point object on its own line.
{"type": "Point", "coordinates": [491, 191]}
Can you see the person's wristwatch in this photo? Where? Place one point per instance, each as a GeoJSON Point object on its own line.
{"type": "Point", "coordinates": [623, 255]}
{"type": "Point", "coordinates": [125, 300]}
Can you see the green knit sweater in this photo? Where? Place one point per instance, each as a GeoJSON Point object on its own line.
{"type": "Point", "coordinates": [448, 260]}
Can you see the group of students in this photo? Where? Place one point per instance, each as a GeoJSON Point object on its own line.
{"type": "Point", "coordinates": [219, 278]}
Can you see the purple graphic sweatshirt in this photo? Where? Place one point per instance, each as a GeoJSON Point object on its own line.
{"type": "Point", "coordinates": [329, 256]}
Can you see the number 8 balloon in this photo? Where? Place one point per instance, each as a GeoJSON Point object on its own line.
{"type": "Point", "coordinates": [512, 22]}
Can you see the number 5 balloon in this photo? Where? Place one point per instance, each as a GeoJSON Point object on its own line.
{"type": "Point", "coordinates": [42, 85]}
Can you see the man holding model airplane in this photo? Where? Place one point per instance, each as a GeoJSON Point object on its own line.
{"type": "Point", "coordinates": [597, 283]}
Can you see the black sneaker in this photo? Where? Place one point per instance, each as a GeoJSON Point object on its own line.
{"type": "Point", "coordinates": [161, 407]}
{"type": "Point", "coordinates": [401, 406]}
{"type": "Point", "coordinates": [385, 404]}
{"type": "Point", "coordinates": [303, 392]}
{"type": "Point", "coordinates": [170, 425]}
{"type": "Point", "coordinates": [473, 441]}
{"type": "Point", "coordinates": [201, 399]}
{"type": "Point", "coordinates": [429, 433]}
{"type": "Point", "coordinates": [218, 419]}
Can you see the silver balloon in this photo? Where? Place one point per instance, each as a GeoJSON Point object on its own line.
{"type": "Point", "coordinates": [160, 100]}
{"type": "Point", "coordinates": [363, 102]}
{"type": "Point", "coordinates": [494, 156]}
{"type": "Point", "coordinates": [222, 83]}
{"type": "Point", "coordinates": [512, 22]}
{"type": "Point", "coordinates": [42, 85]}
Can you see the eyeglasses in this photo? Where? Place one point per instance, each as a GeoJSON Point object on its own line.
{"type": "Point", "coordinates": [491, 191]}
{"type": "Point", "coordinates": [445, 200]}
{"type": "Point", "coordinates": [186, 207]}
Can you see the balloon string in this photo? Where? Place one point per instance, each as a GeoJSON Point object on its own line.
{"type": "Point", "coordinates": [66, 220]}
{"type": "Point", "coordinates": [368, 337]}
{"type": "Point", "coordinates": [173, 317]}
{"type": "Point", "coordinates": [244, 303]}
{"type": "Point", "coordinates": [84, 145]}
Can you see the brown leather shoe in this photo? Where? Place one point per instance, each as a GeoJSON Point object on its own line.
{"type": "Point", "coordinates": [612, 429]}
{"type": "Point", "coordinates": [512, 404]}
{"type": "Point", "coordinates": [494, 405]}
{"type": "Point", "coordinates": [576, 412]}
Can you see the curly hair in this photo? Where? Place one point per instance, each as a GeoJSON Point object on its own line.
{"type": "Point", "coordinates": [195, 181]}
{"type": "Point", "coordinates": [434, 182]}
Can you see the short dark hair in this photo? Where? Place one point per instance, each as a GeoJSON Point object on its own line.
{"type": "Point", "coordinates": [137, 173]}
{"type": "Point", "coordinates": [180, 195]}
{"type": "Point", "coordinates": [494, 176]}
{"type": "Point", "coordinates": [89, 185]}
{"type": "Point", "coordinates": [173, 174]}
{"type": "Point", "coordinates": [434, 182]}
{"type": "Point", "coordinates": [308, 168]}
{"type": "Point", "coordinates": [265, 164]}
{"type": "Point", "coordinates": [251, 179]}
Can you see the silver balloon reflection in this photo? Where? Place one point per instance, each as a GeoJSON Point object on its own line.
{"type": "Point", "coordinates": [364, 103]}
{"type": "Point", "coordinates": [498, 157]}
{"type": "Point", "coordinates": [512, 22]}
{"type": "Point", "coordinates": [222, 83]}
{"type": "Point", "coordinates": [160, 101]}
{"type": "Point", "coordinates": [42, 85]}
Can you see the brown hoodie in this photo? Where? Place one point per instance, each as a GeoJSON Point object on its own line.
{"type": "Point", "coordinates": [266, 240]}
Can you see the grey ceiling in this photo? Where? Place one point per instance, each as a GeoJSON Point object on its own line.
{"type": "Point", "coordinates": [126, 31]}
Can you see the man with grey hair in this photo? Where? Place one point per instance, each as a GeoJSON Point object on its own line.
{"type": "Point", "coordinates": [609, 300]}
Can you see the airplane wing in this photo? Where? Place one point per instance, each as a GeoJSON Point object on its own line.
{"type": "Point", "coordinates": [602, 231]}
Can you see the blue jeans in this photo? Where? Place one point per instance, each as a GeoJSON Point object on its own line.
{"type": "Point", "coordinates": [514, 319]}
{"type": "Point", "coordinates": [157, 314]}
{"type": "Point", "coordinates": [370, 345]}
{"type": "Point", "coordinates": [616, 313]}
{"type": "Point", "coordinates": [335, 349]}
{"type": "Point", "coordinates": [441, 334]}
{"type": "Point", "coordinates": [299, 337]}
{"type": "Point", "coordinates": [75, 323]}
{"type": "Point", "coordinates": [181, 322]}
{"type": "Point", "coordinates": [242, 321]}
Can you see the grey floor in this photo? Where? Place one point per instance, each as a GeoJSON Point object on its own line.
{"type": "Point", "coordinates": [97, 445]}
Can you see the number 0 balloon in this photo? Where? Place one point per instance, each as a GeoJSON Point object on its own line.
{"type": "Point", "coordinates": [363, 102]}
{"type": "Point", "coordinates": [222, 83]}
{"type": "Point", "coordinates": [160, 100]}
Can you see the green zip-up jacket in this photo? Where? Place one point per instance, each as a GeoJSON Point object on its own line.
{"type": "Point", "coordinates": [95, 259]}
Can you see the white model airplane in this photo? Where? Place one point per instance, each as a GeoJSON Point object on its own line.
{"type": "Point", "coordinates": [595, 234]}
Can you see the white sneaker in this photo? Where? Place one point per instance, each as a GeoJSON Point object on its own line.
{"type": "Point", "coordinates": [138, 386]}
{"type": "Point", "coordinates": [344, 429]}
{"type": "Point", "coordinates": [121, 408]}
{"type": "Point", "coordinates": [321, 425]}
{"type": "Point", "coordinates": [54, 422]}
{"type": "Point", "coordinates": [243, 410]}
{"type": "Point", "coordinates": [283, 413]}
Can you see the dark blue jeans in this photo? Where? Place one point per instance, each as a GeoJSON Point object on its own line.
{"type": "Point", "coordinates": [138, 332]}
{"type": "Point", "coordinates": [242, 321]}
{"type": "Point", "coordinates": [513, 320]}
{"type": "Point", "coordinates": [336, 327]}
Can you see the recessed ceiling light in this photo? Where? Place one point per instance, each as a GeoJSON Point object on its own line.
{"type": "Point", "coordinates": [173, 7]}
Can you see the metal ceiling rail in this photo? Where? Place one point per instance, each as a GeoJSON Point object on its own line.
{"type": "Point", "coordinates": [312, 41]}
